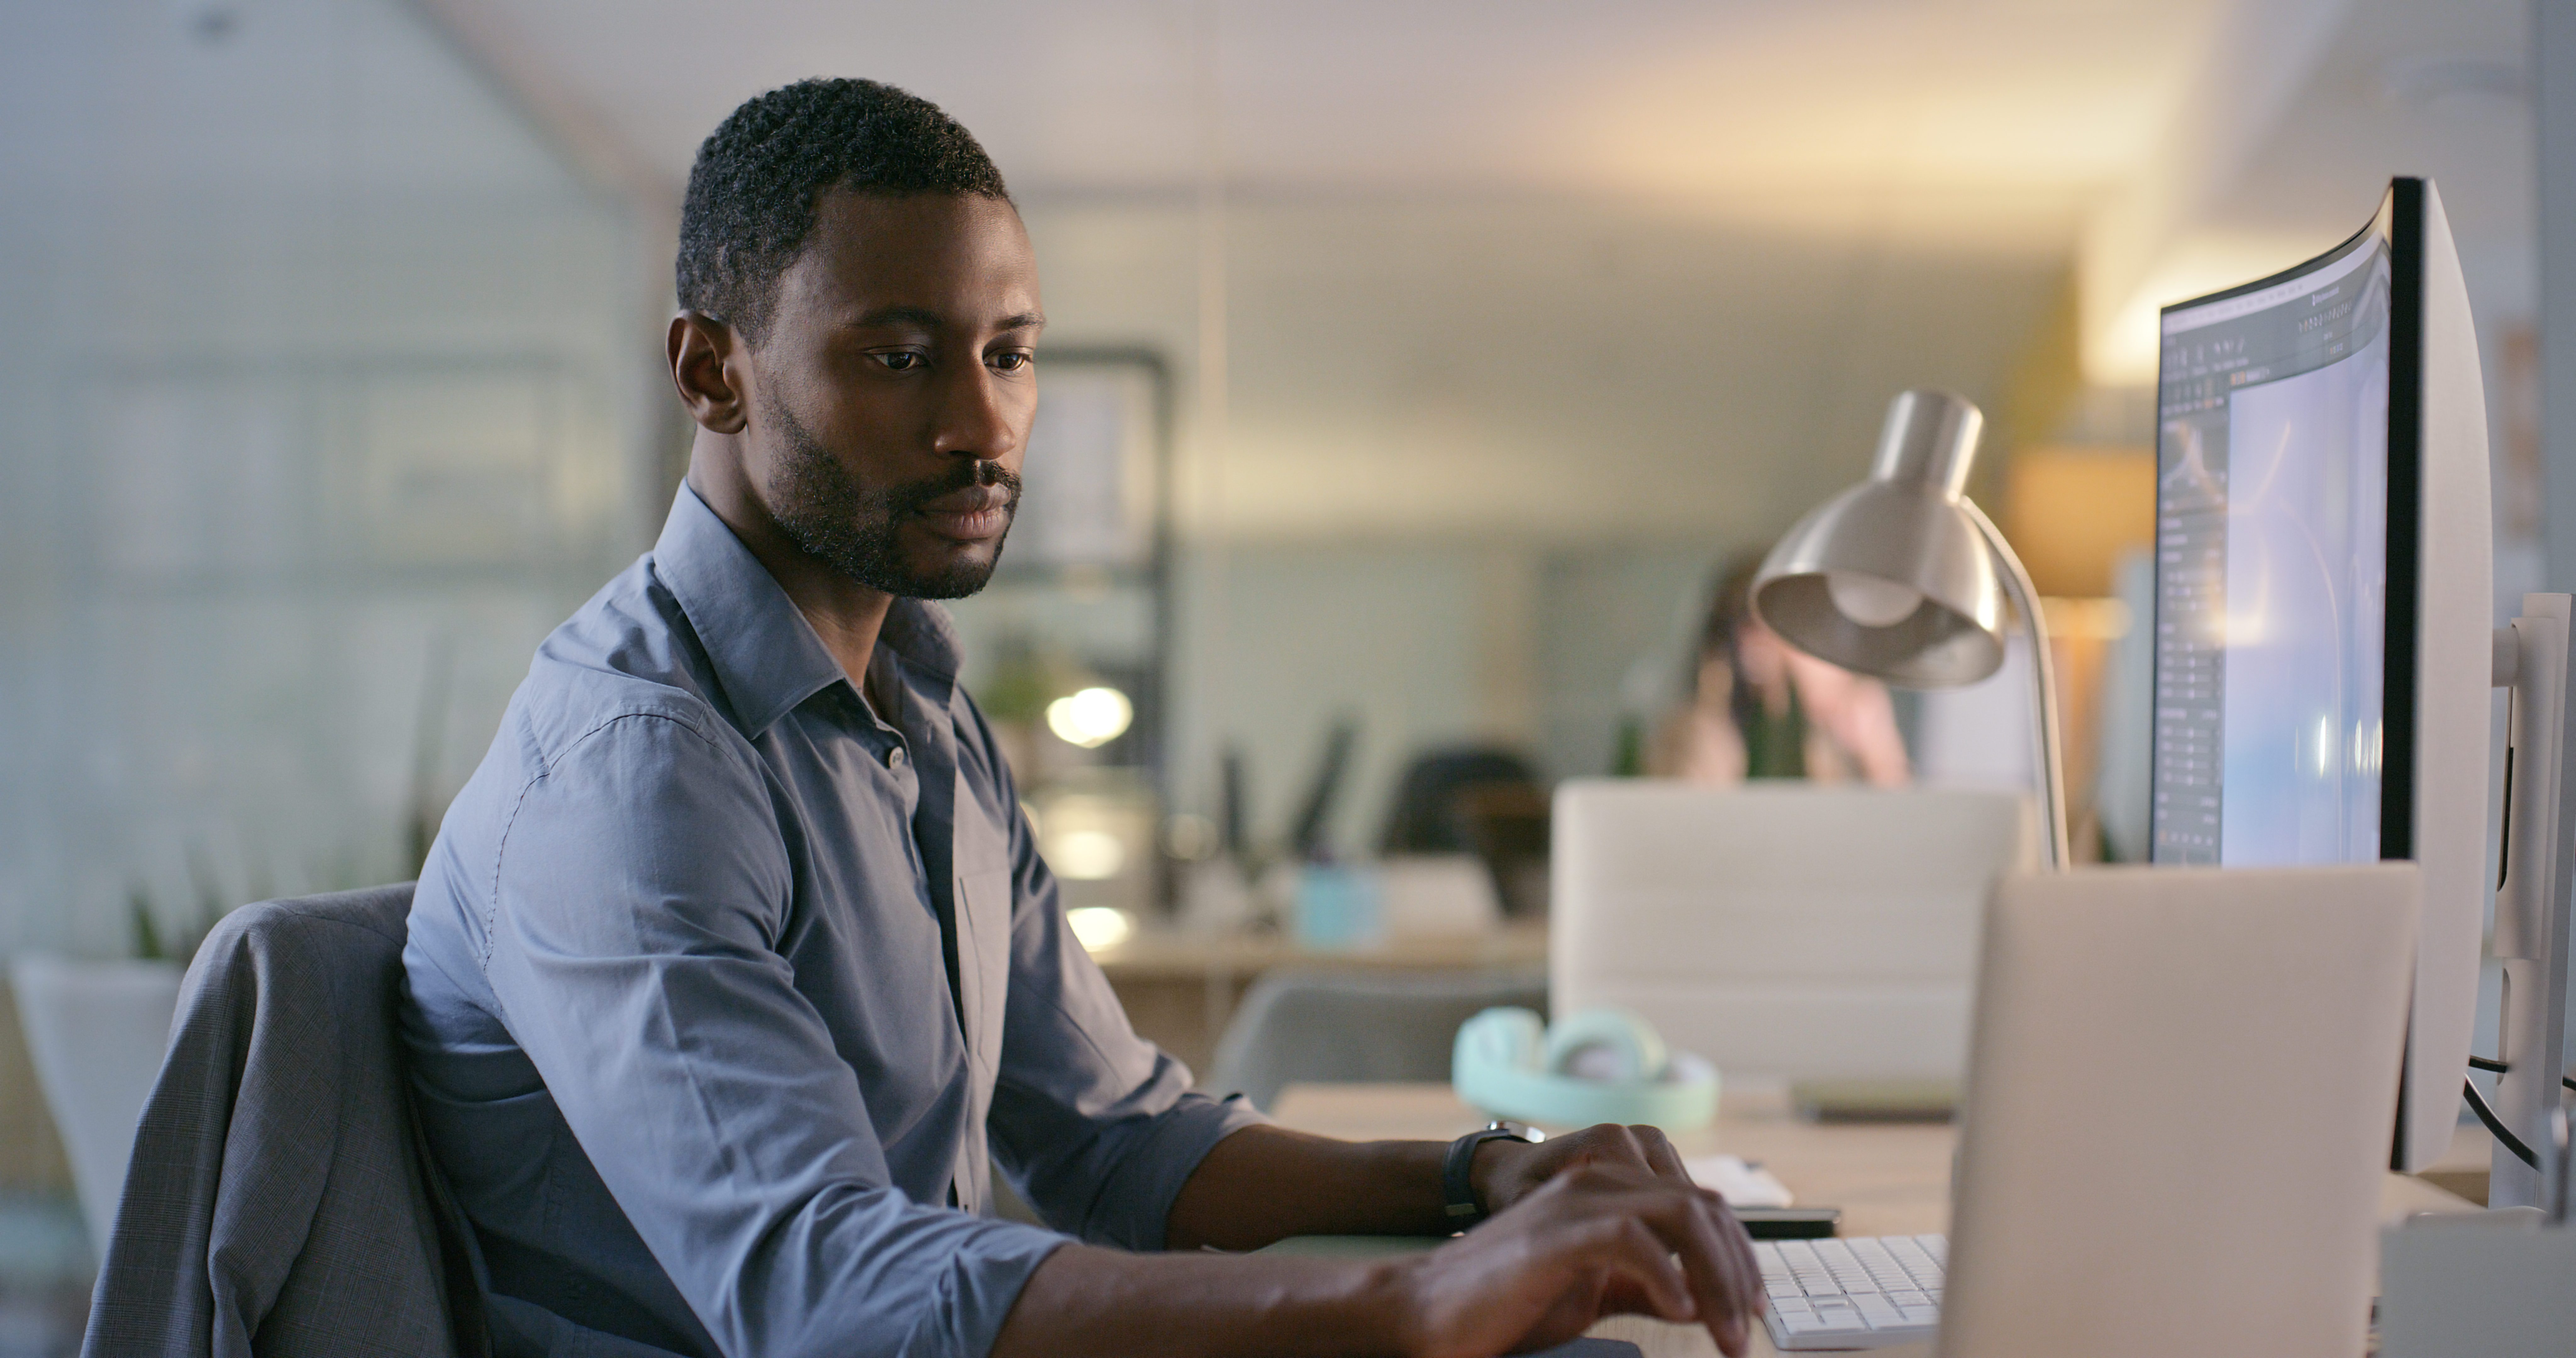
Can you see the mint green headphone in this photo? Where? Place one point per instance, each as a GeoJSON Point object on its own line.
{"type": "Point", "coordinates": [1596, 1065]}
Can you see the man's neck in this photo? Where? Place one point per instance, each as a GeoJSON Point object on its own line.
{"type": "Point", "coordinates": [845, 614]}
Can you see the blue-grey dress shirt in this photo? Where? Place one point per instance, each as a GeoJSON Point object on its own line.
{"type": "Point", "coordinates": [720, 989]}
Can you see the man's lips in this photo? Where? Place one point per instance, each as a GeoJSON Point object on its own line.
{"type": "Point", "coordinates": [969, 515]}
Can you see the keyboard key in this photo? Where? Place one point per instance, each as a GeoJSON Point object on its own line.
{"type": "Point", "coordinates": [1915, 1259]}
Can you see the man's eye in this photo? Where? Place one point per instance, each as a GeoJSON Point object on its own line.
{"type": "Point", "coordinates": [901, 360]}
{"type": "Point", "coordinates": [1013, 362]}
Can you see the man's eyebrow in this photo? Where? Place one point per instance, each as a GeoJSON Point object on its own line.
{"type": "Point", "coordinates": [901, 315]}
{"type": "Point", "coordinates": [929, 319]}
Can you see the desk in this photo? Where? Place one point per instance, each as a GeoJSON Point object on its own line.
{"type": "Point", "coordinates": [1889, 1179]}
{"type": "Point", "coordinates": [1179, 989]}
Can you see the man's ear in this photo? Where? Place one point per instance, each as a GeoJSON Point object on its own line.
{"type": "Point", "coordinates": [703, 351]}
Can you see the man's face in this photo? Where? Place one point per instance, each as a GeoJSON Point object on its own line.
{"type": "Point", "coordinates": [896, 385]}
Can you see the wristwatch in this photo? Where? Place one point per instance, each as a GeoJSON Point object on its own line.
{"type": "Point", "coordinates": [1457, 1187]}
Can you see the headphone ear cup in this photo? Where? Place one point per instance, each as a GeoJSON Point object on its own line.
{"type": "Point", "coordinates": [1618, 1046]}
{"type": "Point", "coordinates": [1501, 1061]}
{"type": "Point", "coordinates": [1505, 1038]}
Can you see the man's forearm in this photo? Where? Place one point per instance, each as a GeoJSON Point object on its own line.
{"type": "Point", "coordinates": [1264, 1184]}
{"type": "Point", "coordinates": [1086, 1300]}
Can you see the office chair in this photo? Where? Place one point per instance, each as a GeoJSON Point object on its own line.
{"type": "Point", "coordinates": [1350, 1026]}
{"type": "Point", "coordinates": [1487, 802]}
{"type": "Point", "coordinates": [279, 1195]}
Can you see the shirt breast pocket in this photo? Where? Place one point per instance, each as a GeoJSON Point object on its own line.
{"type": "Point", "coordinates": [984, 962]}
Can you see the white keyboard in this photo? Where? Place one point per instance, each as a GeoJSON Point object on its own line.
{"type": "Point", "coordinates": [1852, 1294]}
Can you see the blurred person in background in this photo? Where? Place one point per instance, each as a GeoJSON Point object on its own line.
{"type": "Point", "coordinates": [1752, 706]}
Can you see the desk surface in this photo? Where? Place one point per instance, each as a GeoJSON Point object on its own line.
{"type": "Point", "coordinates": [1888, 1179]}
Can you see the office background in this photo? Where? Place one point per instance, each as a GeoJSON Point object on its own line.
{"type": "Point", "coordinates": [1474, 338]}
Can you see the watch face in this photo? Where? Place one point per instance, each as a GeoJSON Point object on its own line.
{"type": "Point", "coordinates": [1518, 1131]}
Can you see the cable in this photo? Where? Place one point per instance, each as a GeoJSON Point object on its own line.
{"type": "Point", "coordinates": [2498, 1068]}
{"type": "Point", "coordinates": [2495, 1125]}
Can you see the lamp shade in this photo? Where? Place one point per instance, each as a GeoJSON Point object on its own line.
{"type": "Point", "coordinates": [1893, 578]}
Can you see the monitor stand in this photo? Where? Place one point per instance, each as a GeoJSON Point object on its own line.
{"type": "Point", "coordinates": [2533, 659]}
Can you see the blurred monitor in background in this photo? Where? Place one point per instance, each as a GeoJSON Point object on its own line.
{"type": "Point", "coordinates": [1751, 707]}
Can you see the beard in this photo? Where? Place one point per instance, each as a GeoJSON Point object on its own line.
{"type": "Point", "coordinates": [855, 529]}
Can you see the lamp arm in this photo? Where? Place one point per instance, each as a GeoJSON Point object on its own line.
{"type": "Point", "coordinates": [2052, 759]}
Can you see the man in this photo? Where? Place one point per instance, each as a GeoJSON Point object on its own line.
{"type": "Point", "coordinates": [735, 956]}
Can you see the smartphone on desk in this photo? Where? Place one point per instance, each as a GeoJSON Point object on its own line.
{"type": "Point", "coordinates": [1790, 1223]}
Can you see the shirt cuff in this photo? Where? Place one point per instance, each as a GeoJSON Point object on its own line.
{"type": "Point", "coordinates": [980, 1285]}
{"type": "Point", "coordinates": [1135, 1205]}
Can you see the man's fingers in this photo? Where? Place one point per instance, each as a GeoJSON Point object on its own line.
{"type": "Point", "coordinates": [1715, 1258]}
{"type": "Point", "coordinates": [1639, 1216]}
{"type": "Point", "coordinates": [1660, 1155]}
{"type": "Point", "coordinates": [1639, 1254]}
{"type": "Point", "coordinates": [1720, 1267]}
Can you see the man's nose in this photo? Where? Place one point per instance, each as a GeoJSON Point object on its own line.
{"type": "Point", "coordinates": [975, 417]}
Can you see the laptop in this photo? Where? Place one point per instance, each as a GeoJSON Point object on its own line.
{"type": "Point", "coordinates": [2178, 1116]}
{"type": "Point", "coordinates": [1824, 935]}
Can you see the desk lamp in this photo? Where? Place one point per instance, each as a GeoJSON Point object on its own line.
{"type": "Point", "coordinates": [1903, 578]}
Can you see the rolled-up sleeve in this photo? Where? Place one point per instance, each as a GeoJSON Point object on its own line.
{"type": "Point", "coordinates": [1096, 1127]}
{"type": "Point", "coordinates": [633, 947]}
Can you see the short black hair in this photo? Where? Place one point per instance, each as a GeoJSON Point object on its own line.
{"type": "Point", "coordinates": [759, 175]}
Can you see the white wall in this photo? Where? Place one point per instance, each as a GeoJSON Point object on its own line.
{"type": "Point", "coordinates": [317, 361]}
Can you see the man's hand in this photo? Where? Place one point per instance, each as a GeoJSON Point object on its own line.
{"type": "Point", "coordinates": [1506, 1171]}
{"type": "Point", "coordinates": [1599, 1222]}
{"type": "Point", "coordinates": [1596, 1238]}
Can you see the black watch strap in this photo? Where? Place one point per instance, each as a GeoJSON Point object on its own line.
{"type": "Point", "coordinates": [1457, 1184]}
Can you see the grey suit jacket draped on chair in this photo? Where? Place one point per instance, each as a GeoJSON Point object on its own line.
{"type": "Point", "coordinates": [278, 1202]}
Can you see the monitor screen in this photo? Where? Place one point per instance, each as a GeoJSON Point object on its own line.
{"type": "Point", "coordinates": [2272, 558]}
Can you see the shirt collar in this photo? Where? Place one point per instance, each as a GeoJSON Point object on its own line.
{"type": "Point", "coordinates": [765, 654]}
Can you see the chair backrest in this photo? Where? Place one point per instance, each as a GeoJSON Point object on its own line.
{"type": "Point", "coordinates": [96, 1032]}
{"type": "Point", "coordinates": [1484, 801]}
{"type": "Point", "coordinates": [278, 1185]}
{"type": "Point", "coordinates": [1781, 928]}
{"type": "Point", "coordinates": [1312, 1025]}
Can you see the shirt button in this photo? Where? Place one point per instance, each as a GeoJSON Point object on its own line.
{"type": "Point", "coordinates": [894, 757]}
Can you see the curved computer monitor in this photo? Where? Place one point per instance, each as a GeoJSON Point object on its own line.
{"type": "Point", "coordinates": [2324, 598]}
